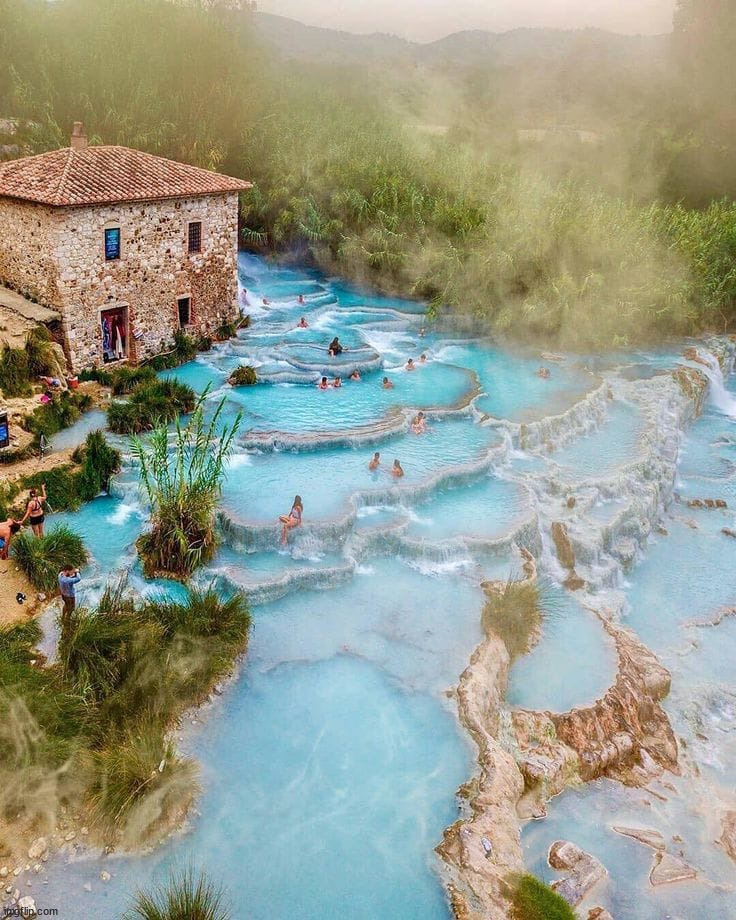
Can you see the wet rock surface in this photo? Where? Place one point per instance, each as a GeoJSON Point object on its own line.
{"type": "Point", "coordinates": [584, 871]}
{"type": "Point", "coordinates": [650, 838]}
{"type": "Point", "coordinates": [728, 837]}
{"type": "Point", "coordinates": [668, 869]}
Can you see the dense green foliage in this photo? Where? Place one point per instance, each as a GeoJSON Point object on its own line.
{"type": "Point", "coordinates": [90, 732]}
{"type": "Point", "coordinates": [125, 379]}
{"type": "Point", "coordinates": [63, 410]}
{"type": "Point", "coordinates": [42, 558]}
{"type": "Point", "coordinates": [533, 900]}
{"type": "Point", "coordinates": [183, 486]}
{"type": "Point", "coordinates": [243, 376]}
{"type": "Point", "coordinates": [20, 368]}
{"type": "Point", "coordinates": [68, 486]}
{"type": "Point", "coordinates": [186, 896]}
{"type": "Point", "coordinates": [514, 614]}
{"type": "Point", "coordinates": [582, 246]}
{"type": "Point", "coordinates": [150, 404]}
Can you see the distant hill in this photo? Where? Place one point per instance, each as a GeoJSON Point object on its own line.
{"type": "Point", "coordinates": [462, 50]}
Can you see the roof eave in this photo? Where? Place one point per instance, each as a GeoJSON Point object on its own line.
{"type": "Point", "coordinates": [244, 187]}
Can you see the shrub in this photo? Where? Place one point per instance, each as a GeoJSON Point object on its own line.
{"type": "Point", "coordinates": [41, 559]}
{"type": "Point", "coordinates": [100, 462]}
{"type": "Point", "coordinates": [14, 374]}
{"type": "Point", "coordinates": [226, 331]}
{"type": "Point", "coordinates": [60, 413]}
{"type": "Point", "coordinates": [141, 786]}
{"type": "Point", "coordinates": [149, 405]}
{"type": "Point", "coordinates": [183, 488]}
{"type": "Point", "coordinates": [514, 615]}
{"type": "Point", "coordinates": [245, 375]}
{"type": "Point", "coordinates": [95, 373]}
{"type": "Point", "coordinates": [125, 379]}
{"type": "Point", "coordinates": [61, 487]}
{"type": "Point", "coordinates": [204, 343]}
{"type": "Point", "coordinates": [183, 897]}
{"type": "Point", "coordinates": [40, 353]}
{"type": "Point", "coordinates": [533, 900]}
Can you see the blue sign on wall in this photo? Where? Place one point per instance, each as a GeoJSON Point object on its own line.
{"type": "Point", "coordinates": [112, 243]}
{"type": "Point", "coordinates": [4, 430]}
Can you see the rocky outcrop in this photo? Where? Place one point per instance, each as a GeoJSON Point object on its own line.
{"type": "Point", "coordinates": [566, 555]}
{"type": "Point", "coordinates": [547, 764]}
{"type": "Point", "coordinates": [646, 836]}
{"type": "Point", "coordinates": [707, 503]}
{"type": "Point", "coordinates": [599, 913]}
{"type": "Point", "coordinates": [728, 837]}
{"type": "Point", "coordinates": [610, 736]}
{"type": "Point", "coordinates": [668, 869]}
{"type": "Point", "coordinates": [584, 871]}
{"type": "Point", "coordinates": [482, 849]}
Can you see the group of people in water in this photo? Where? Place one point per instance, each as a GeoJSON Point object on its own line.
{"type": "Point", "coordinates": [34, 514]}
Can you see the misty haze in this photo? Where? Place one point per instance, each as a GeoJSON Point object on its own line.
{"type": "Point", "coordinates": [367, 459]}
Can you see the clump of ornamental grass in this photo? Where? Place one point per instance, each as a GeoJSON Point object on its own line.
{"type": "Point", "coordinates": [40, 352]}
{"type": "Point", "coordinates": [245, 375]}
{"type": "Point", "coordinates": [125, 379]}
{"type": "Point", "coordinates": [185, 896]}
{"type": "Point", "coordinates": [183, 485]}
{"type": "Point", "coordinates": [150, 404]}
{"type": "Point", "coordinates": [514, 614]}
{"type": "Point", "coordinates": [41, 559]}
{"type": "Point", "coordinates": [140, 785]}
{"type": "Point", "coordinates": [99, 462]}
{"type": "Point", "coordinates": [14, 375]}
{"type": "Point", "coordinates": [533, 900]}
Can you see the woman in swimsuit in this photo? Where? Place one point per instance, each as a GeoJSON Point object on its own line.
{"type": "Point", "coordinates": [419, 424]}
{"type": "Point", "coordinates": [323, 384]}
{"type": "Point", "coordinates": [387, 385]}
{"type": "Point", "coordinates": [292, 519]}
{"type": "Point", "coordinates": [375, 462]}
{"type": "Point", "coordinates": [302, 324]}
{"type": "Point", "coordinates": [34, 511]}
{"type": "Point", "coordinates": [355, 375]}
{"type": "Point", "coordinates": [397, 470]}
{"type": "Point", "coordinates": [335, 348]}
{"type": "Point", "coordinates": [337, 383]}
{"type": "Point", "coordinates": [410, 366]}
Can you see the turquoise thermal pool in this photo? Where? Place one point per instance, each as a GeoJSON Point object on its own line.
{"type": "Point", "coordinates": [330, 763]}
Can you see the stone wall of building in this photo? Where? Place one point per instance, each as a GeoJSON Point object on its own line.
{"type": "Point", "coordinates": [28, 234]}
{"type": "Point", "coordinates": [155, 269]}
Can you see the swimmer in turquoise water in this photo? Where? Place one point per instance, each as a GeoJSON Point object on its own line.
{"type": "Point", "coordinates": [387, 385]}
{"type": "Point", "coordinates": [397, 471]}
{"type": "Point", "coordinates": [323, 384]}
{"type": "Point", "coordinates": [303, 324]}
{"type": "Point", "coordinates": [375, 462]}
{"type": "Point", "coordinates": [292, 519]}
{"type": "Point", "coordinates": [337, 383]}
{"type": "Point", "coordinates": [410, 365]}
{"type": "Point", "coordinates": [419, 423]}
{"type": "Point", "coordinates": [355, 375]}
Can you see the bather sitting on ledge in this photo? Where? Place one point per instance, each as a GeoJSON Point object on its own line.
{"type": "Point", "coordinates": [292, 519]}
{"type": "Point", "coordinates": [335, 348]}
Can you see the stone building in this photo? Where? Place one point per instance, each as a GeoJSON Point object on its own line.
{"type": "Point", "coordinates": [126, 247]}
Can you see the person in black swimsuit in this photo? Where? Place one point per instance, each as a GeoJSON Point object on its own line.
{"type": "Point", "coordinates": [34, 511]}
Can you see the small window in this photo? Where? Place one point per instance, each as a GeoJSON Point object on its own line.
{"type": "Point", "coordinates": [185, 309]}
{"type": "Point", "coordinates": [195, 236]}
{"type": "Point", "coordinates": [112, 244]}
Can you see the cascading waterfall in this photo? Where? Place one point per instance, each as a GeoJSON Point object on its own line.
{"type": "Point", "coordinates": [332, 759]}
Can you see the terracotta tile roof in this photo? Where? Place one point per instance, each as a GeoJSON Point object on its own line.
{"type": "Point", "coordinates": [104, 175]}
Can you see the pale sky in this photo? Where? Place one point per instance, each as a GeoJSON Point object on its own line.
{"type": "Point", "coordinates": [424, 20]}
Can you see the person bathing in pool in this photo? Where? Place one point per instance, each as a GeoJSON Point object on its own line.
{"type": "Point", "coordinates": [302, 324]}
{"type": "Point", "coordinates": [387, 385]}
{"type": "Point", "coordinates": [292, 519]}
{"type": "Point", "coordinates": [323, 384]}
{"type": "Point", "coordinates": [410, 365]}
{"type": "Point", "coordinates": [300, 301]}
{"type": "Point", "coordinates": [355, 375]}
{"type": "Point", "coordinates": [335, 348]}
{"type": "Point", "coordinates": [397, 470]}
{"type": "Point", "coordinates": [375, 462]}
{"type": "Point", "coordinates": [337, 383]}
{"type": "Point", "coordinates": [419, 423]}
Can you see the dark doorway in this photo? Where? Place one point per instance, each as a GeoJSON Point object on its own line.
{"type": "Point", "coordinates": [185, 310]}
{"type": "Point", "coordinates": [114, 332]}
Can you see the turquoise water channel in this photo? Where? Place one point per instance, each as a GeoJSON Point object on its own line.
{"type": "Point", "coordinates": [330, 763]}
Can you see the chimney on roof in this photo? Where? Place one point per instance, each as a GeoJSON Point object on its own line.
{"type": "Point", "coordinates": [79, 138]}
